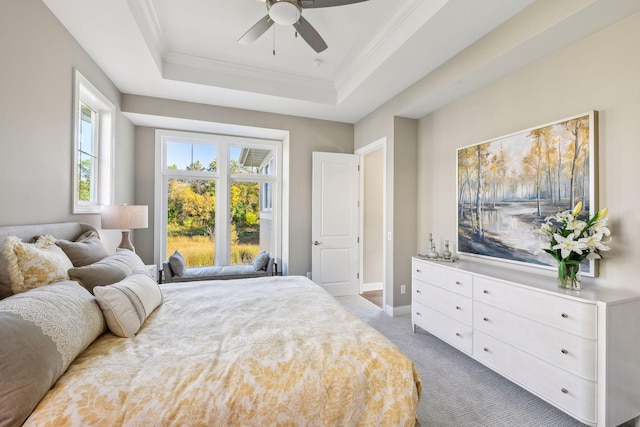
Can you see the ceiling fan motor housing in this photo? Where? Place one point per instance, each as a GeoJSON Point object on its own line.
{"type": "Point", "coordinates": [284, 12]}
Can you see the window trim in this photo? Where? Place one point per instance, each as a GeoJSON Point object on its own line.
{"type": "Point", "coordinates": [223, 181]}
{"type": "Point", "coordinates": [84, 91]}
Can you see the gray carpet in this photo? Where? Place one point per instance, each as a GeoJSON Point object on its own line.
{"type": "Point", "coordinates": [458, 391]}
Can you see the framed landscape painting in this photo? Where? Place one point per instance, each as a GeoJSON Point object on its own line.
{"type": "Point", "coordinates": [508, 186]}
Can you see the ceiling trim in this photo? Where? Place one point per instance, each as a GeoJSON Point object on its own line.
{"type": "Point", "coordinates": [191, 125]}
{"type": "Point", "coordinates": [193, 69]}
{"type": "Point", "coordinates": [404, 22]}
{"type": "Point", "coordinates": [149, 24]}
{"type": "Point", "coordinates": [188, 68]}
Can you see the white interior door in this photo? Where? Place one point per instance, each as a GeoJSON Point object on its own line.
{"type": "Point", "coordinates": [335, 217]}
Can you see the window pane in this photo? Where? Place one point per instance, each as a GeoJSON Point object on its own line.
{"type": "Point", "coordinates": [250, 160]}
{"type": "Point", "coordinates": [191, 216]}
{"type": "Point", "coordinates": [266, 199]}
{"type": "Point", "coordinates": [187, 156]}
{"type": "Point", "coordinates": [87, 129]}
{"type": "Point", "coordinates": [86, 177]}
{"type": "Point", "coordinates": [250, 232]}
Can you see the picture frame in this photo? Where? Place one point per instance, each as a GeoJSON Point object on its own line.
{"type": "Point", "coordinates": [508, 186]}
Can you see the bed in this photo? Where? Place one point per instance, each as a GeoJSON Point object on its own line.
{"type": "Point", "coordinates": [248, 352]}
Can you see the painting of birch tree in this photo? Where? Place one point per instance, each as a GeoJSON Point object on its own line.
{"type": "Point", "coordinates": [509, 185]}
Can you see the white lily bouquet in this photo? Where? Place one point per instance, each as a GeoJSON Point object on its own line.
{"type": "Point", "coordinates": [570, 240]}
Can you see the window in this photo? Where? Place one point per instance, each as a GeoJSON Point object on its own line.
{"type": "Point", "coordinates": [94, 129]}
{"type": "Point", "coordinates": [206, 178]}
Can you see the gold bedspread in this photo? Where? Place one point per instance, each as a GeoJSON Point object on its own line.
{"type": "Point", "coordinates": [276, 351]}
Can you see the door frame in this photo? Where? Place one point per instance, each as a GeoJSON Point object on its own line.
{"type": "Point", "coordinates": [380, 144]}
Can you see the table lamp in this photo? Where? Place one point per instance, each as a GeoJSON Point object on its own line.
{"type": "Point", "coordinates": [125, 218]}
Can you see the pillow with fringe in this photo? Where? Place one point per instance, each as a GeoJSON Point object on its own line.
{"type": "Point", "coordinates": [34, 264]}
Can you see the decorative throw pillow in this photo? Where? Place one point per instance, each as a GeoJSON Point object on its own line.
{"type": "Point", "coordinates": [87, 249]}
{"type": "Point", "coordinates": [34, 264]}
{"type": "Point", "coordinates": [128, 303]}
{"type": "Point", "coordinates": [43, 330]}
{"type": "Point", "coordinates": [108, 270]}
{"type": "Point", "coordinates": [261, 260]}
{"type": "Point", "coordinates": [177, 264]}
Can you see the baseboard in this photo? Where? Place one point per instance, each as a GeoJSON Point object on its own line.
{"type": "Point", "coordinates": [375, 286]}
{"type": "Point", "coordinates": [402, 310]}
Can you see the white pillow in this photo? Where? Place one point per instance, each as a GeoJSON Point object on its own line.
{"type": "Point", "coordinates": [128, 303]}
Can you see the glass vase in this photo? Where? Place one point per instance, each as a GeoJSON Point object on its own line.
{"type": "Point", "coordinates": [568, 275]}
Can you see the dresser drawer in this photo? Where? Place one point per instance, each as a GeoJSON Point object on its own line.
{"type": "Point", "coordinates": [565, 314]}
{"type": "Point", "coordinates": [568, 351]}
{"type": "Point", "coordinates": [453, 280]}
{"type": "Point", "coordinates": [451, 331]}
{"type": "Point", "coordinates": [567, 391]}
{"type": "Point", "coordinates": [452, 304]}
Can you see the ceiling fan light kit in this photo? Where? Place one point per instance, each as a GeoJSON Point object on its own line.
{"type": "Point", "coordinates": [289, 12]}
{"type": "Point", "coordinates": [284, 12]}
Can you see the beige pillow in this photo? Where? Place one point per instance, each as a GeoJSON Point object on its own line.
{"type": "Point", "coordinates": [111, 269]}
{"type": "Point", "coordinates": [34, 264]}
{"type": "Point", "coordinates": [87, 249]}
{"type": "Point", "coordinates": [128, 303]}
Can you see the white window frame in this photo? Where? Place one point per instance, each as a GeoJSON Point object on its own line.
{"type": "Point", "coordinates": [87, 93]}
{"type": "Point", "coordinates": [223, 179]}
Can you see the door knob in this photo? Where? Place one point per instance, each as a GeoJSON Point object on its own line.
{"type": "Point", "coordinates": [316, 242]}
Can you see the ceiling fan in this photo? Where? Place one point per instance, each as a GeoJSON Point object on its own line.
{"type": "Point", "coordinates": [289, 12]}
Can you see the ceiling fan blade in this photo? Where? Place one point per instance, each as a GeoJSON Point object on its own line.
{"type": "Point", "coordinates": [310, 35]}
{"type": "Point", "coordinates": [314, 4]}
{"type": "Point", "coordinates": [256, 31]}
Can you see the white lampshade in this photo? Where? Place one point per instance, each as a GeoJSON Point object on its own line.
{"type": "Point", "coordinates": [125, 217]}
{"type": "Point", "coordinates": [284, 12]}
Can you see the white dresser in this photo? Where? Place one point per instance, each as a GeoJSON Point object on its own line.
{"type": "Point", "coordinates": [578, 350]}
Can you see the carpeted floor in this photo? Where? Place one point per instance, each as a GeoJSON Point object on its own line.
{"type": "Point", "coordinates": [458, 391]}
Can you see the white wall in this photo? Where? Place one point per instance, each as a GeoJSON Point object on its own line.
{"type": "Point", "coordinates": [600, 72]}
{"type": "Point", "coordinates": [38, 58]}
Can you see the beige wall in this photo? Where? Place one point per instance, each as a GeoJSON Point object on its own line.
{"type": "Point", "coordinates": [600, 72]}
{"type": "Point", "coordinates": [401, 136]}
{"type": "Point", "coordinates": [305, 136]}
{"type": "Point", "coordinates": [38, 58]}
{"type": "Point", "coordinates": [372, 217]}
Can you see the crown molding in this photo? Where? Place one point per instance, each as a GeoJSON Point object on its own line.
{"type": "Point", "coordinates": [405, 21]}
{"type": "Point", "coordinates": [188, 68]}
{"type": "Point", "coordinates": [147, 19]}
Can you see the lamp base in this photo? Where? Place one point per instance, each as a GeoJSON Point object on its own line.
{"type": "Point", "coordinates": [125, 243]}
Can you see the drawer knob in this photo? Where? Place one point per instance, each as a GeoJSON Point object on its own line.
{"type": "Point", "coordinates": [486, 349]}
{"type": "Point", "coordinates": [564, 351]}
{"type": "Point", "coordinates": [485, 291]}
{"type": "Point", "coordinates": [418, 313]}
{"type": "Point", "coordinates": [486, 319]}
{"type": "Point", "coordinates": [564, 315]}
{"type": "Point", "coordinates": [418, 270]}
{"type": "Point", "coordinates": [418, 291]}
{"type": "Point", "coordinates": [458, 334]}
{"type": "Point", "coordinates": [458, 282]}
{"type": "Point", "coordinates": [564, 390]}
{"type": "Point", "coordinates": [458, 307]}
